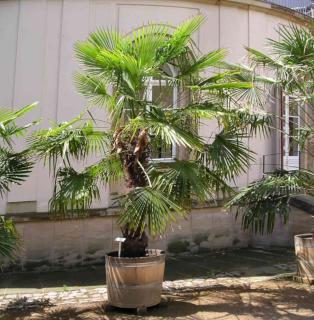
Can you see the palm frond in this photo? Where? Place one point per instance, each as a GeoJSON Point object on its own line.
{"type": "Point", "coordinates": [8, 126]}
{"type": "Point", "coordinates": [147, 207]}
{"type": "Point", "coordinates": [212, 59]}
{"type": "Point", "coordinates": [186, 181]}
{"type": "Point", "coordinates": [171, 132]}
{"type": "Point", "coordinates": [261, 202]}
{"type": "Point", "coordinates": [9, 240]}
{"type": "Point", "coordinates": [146, 43]}
{"type": "Point", "coordinates": [109, 169]}
{"type": "Point", "coordinates": [262, 59]}
{"type": "Point", "coordinates": [227, 155]}
{"type": "Point", "coordinates": [246, 121]}
{"type": "Point", "coordinates": [74, 193]}
{"type": "Point", "coordinates": [177, 43]}
{"type": "Point", "coordinates": [92, 87]}
{"type": "Point", "coordinates": [106, 39]}
{"type": "Point", "coordinates": [14, 168]}
{"type": "Point", "coordinates": [66, 141]}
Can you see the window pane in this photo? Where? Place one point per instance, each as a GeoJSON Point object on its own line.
{"type": "Point", "coordinates": [293, 133]}
{"type": "Point", "coordinates": [162, 95]}
{"type": "Point", "coordinates": [293, 108]}
{"type": "Point", "coordinates": [160, 149]}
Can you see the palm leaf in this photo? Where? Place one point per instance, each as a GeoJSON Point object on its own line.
{"type": "Point", "coordinates": [66, 141]}
{"type": "Point", "coordinates": [74, 193]}
{"type": "Point", "coordinates": [148, 207]}
{"type": "Point", "coordinates": [186, 181]}
{"type": "Point", "coordinates": [14, 168]}
{"type": "Point", "coordinates": [227, 154]}
{"type": "Point", "coordinates": [9, 240]}
{"type": "Point", "coordinates": [261, 202]}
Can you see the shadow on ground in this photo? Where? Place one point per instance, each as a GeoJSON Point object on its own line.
{"type": "Point", "coordinates": [244, 262]}
{"type": "Point", "coordinates": [267, 300]}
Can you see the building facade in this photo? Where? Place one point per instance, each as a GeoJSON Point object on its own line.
{"type": "Point", "coordinates": [37, 64]}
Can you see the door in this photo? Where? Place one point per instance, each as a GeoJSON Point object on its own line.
{"type": "Point", "coordinates": [291, 148]}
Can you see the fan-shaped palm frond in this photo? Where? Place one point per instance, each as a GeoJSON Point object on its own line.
{"type": "Point", "coordinates": [147, 207]}
{"type": "Point", "coordinates": [74, 192]}
{"type": "Point", "coordinates": [15, 167]}
{"type": "Point", "coordinates": [246, 122]}
{"type": "Point", "coordinates": [177, 44]}
{"type": "Point", "coordinates": [186, 181]}
{"type": "Point", "coordinates": [262, 201]}
{"type": "Point", "coordinates": [66, 141]}
{"type": "Point", "coordinates": [210, 60]}
{"type": "Point", "coordinates": [167, 128]}
{"type": "Point", "coordinates": [291, 59]}
{"type": "Point", "coordinates": [92, 87]}
{"type": "Point", "coordinates": [9, 239]}
{"type": "Point", "coordinates": [227, 155]}
{"type": "Point", "coordinates": [8, 127]}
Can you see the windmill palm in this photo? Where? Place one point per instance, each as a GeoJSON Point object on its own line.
{"type": "Point", "coordinates": [15, 167]}
{"type": "Point", "coordinates": [291, 61]}
{"type": "Point", "coordinates": [118, 74]}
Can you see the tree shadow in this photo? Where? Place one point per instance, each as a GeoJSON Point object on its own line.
{"type": "Point", "coordinates": [256, 303]}
{"type": "Point", "coordinates": [23, 307]}
{"type": "Point", "coordinates": [274, 300]}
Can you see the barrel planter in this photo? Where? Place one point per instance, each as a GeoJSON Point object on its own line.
{"type": "Point", "coordinates": [135, 282]}
{"type": "Point", "coordinates": [304, 249]}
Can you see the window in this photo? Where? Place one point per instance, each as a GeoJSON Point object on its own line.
{"type": "Point", "coordinates": [291, 148]}
{"type": "Point", "coordinates": [161, 93]}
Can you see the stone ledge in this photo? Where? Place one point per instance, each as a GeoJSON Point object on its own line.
{"type": "Point", "coordinates": [91, 213]}
{"type": "Point", "coordinates": [303, 202]}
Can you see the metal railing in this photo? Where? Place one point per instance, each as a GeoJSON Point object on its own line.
{"type": "Point", "coordinates": [277, 161]}
{"type": "Point", "coordinates": [305, 7]}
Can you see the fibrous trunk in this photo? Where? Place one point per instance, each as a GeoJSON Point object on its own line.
{"type": "Point", "coordinates": [134, 153]}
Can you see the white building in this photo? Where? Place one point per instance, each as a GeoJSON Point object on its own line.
{"type": "Point", "coordinates": [37, 64]}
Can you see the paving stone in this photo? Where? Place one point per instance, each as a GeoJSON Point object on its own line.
{"type": "Point", "coordinates": [85, 295]}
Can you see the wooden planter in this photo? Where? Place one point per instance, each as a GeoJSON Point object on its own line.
{"type": "Point", "coordinates": [304, 249]}
{"type": "Point", "coordinates": [135, 282]}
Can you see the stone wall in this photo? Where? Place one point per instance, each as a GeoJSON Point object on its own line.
{"type": "Point", "coordinates": [283, 235]}
{"type": "Point", "coordinates": [55, 244]}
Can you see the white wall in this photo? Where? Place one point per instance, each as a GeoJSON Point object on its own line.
{"type": "Point", "coordinates": [37, 63]}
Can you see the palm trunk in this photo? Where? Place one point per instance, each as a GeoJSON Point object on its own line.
{"type": "Point", "coordinates": [132, 152]}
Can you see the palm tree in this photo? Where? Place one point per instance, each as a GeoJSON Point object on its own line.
{"type": "Point", "coordinates": [291, 62]}
{"type": "Point", "coordinates": [15, 166]}
{"type": "Point", "coordinates": [132, 77]}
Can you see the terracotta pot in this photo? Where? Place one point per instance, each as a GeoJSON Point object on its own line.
{"type": "Point", "coordinates": [135, 282]}
{"type": "Point", "coordinates": [304, 249]}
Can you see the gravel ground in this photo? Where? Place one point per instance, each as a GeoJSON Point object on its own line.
{"type": "Point", "coordinates": [275, 299]}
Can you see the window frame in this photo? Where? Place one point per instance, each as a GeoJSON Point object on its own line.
{"type": "Point", "coordinates": [150, 83]}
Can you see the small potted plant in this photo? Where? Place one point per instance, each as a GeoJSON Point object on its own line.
{"type": "Point", "coordinates": [154, 86]}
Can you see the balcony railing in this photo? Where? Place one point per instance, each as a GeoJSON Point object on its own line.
{"type": "Point", "coordinates": [303, 6]}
